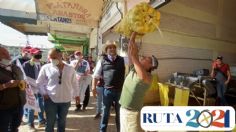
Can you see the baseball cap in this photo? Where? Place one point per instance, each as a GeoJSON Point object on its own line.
{"type": "Point", "coordinates": [77, 53]}
{"type": "Point", "coordinates": [26, 49]}
{"type": "Point", "coordinates": [35, 51]}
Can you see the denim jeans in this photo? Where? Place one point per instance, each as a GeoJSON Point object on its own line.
{"type": "Point", "coordinates": [30, 115]}
{"type": "Point", "coordinates": [221, 88]}
{"type": "Point", "coordinates": [55, 111]}
{"type": "Point", "coordinates": [110, 96]}
{"type": "Point", "coordinates": [99, 99]}
{"type": "Point", "coordinates": [11, 119]}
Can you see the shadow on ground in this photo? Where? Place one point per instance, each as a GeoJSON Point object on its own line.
{"type": "Point", "coordinates": [81, 121]}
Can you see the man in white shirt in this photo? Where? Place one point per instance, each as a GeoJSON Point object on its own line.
{"type": "Point", "coordinates": [61, 83]}
{"type": "Point", "coordinates": [82, 71]}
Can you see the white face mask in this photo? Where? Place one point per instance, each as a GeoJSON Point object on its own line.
{"type": "Point", "coordinates": [77, 57]}
{"type": "Point", "coordinates": [54, 62]}
{"type": "Point", "coordinates": [37, 63]}
{"type": "Point", "coordinates": [5, 62]}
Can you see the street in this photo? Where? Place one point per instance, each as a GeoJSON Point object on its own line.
{"type": "Point", "coordinates": [81, 121]}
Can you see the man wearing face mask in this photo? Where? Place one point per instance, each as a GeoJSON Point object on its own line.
{"type": "Point", "coordinates": [25, 56]}
{"type": "Point", "coordinates": [12, 94]}
{"type": "Point", "coordinates": [31, 69]}
{"type": "Point", "coordinates": [61, 82]}
{"type": "Point", "coordinates": [82, 69]}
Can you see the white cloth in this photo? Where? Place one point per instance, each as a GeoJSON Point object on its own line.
{"type": "Point", "coordinates": [59, 93]}
{"type": "Point", "coordinates": [129, 121]}
{"type": "Point", "coordinates": [32, 84]}
{"type": "Point", "coordinates": [21, 67]}
{"type": "Point", "coordinates": [98, 70]}
{"type": "Point", "coordinates": [83, 84]}
{"type": "Point", "coordinates": [83, 80]}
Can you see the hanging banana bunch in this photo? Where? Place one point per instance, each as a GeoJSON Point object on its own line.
{"type": "Point", "coordinates": [141, 19]}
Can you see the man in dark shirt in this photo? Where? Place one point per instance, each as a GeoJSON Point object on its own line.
{"type": "Point", "coordinates": [31, 69]}
{"type": "Point", "coordinates": [25, 56]}
{"type": "Point", "coordinates": [221, 72]}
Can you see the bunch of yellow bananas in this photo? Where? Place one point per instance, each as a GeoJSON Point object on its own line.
{"type": "Point", "coordinates": [141, 19]}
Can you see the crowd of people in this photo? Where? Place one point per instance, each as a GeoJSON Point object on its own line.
{"type": "Point", "coordinates": [56, 83]}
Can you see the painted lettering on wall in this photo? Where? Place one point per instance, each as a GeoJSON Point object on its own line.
{"type": "Point", "coordinates": [61, 19]}
{"type": "Point", "coordinates": [68, 10]}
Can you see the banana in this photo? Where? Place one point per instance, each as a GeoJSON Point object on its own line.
{"type": "Point", "coordinates": [141, 19]}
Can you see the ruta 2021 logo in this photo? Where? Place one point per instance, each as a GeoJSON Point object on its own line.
{"type": "Point", "coordinates": [190, 118]}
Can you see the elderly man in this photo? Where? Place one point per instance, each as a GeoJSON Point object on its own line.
{"type": "Point", "coordinates": [135, 86]}
{"type": "Point", "coordinates": [112, 69]}
{"type": "Point", "coordinates": [60, 80]}
{"type": "Point", "coordinates": [12, 95]}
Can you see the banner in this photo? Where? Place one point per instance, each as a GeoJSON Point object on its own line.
{"type": "Point", "coordinates": [31, 101]}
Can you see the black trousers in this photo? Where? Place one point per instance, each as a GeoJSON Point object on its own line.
{"type": "Point", "coordinates": [11, 119]}
{"type": "Point", "coordinates": [86, 99]}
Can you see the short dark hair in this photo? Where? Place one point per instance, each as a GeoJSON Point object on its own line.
{"type": "Point", "coordinates": [220, 57]}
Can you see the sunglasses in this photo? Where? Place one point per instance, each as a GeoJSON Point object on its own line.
{"type": "Point", "coordinates": [60, 78]}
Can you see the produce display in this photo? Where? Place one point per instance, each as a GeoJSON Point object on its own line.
{"type": "Point", "coordinates": [141, 19]}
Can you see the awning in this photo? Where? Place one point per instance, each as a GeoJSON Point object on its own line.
{"type": "Point", "coordinates": [13, 10]}
{"type": "Point", "coordinates": [44, 27]}
{"type": "Point", "coordinates": [13, 38]}
{"type": "Point", "coordinates": [77, 16]}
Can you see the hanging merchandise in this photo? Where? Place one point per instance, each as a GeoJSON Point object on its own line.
{"type": "Point", "coordinates": [141, 19]}
{"type": "Point", "coordinates": [152, 96]}
{"type": "Point", "coordinates": [181, 97]}
{"type": "Point", "coordinates": [164, 92]}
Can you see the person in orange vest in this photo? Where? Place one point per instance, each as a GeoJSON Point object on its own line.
{"type": "Point", "coordinates": [221, 72]}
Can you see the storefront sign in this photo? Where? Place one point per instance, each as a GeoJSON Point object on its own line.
{"type": "Point", "coordinates": [76, 12]}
